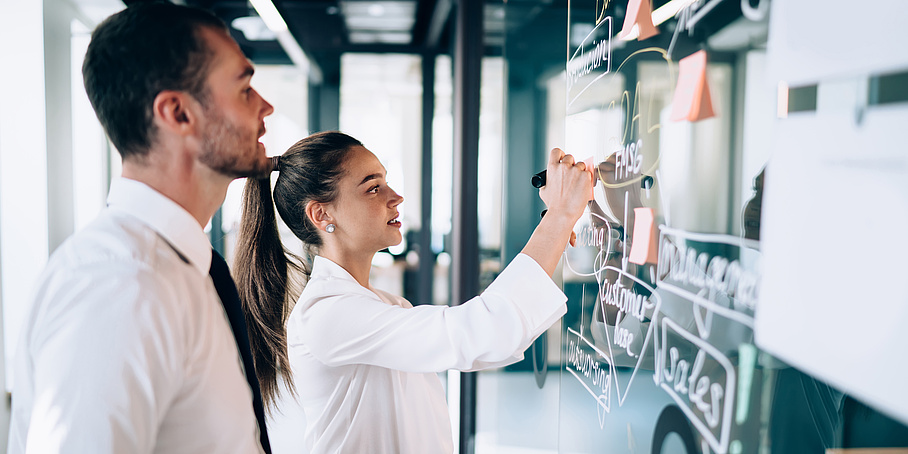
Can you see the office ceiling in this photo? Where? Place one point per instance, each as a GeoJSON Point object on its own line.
{"type": "Point", "coordinates": [325, 29]}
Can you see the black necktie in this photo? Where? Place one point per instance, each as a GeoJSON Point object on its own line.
{"type": "Point", "coordinates": [223, 283]}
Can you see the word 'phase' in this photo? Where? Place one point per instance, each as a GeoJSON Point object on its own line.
{"type": "Point", "coordinates": [629, 160]}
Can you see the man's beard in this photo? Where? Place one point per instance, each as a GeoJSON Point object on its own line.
{"type": "Point", "coordinates": [222, 152]}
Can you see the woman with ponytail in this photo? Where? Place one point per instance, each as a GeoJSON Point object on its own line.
{"type": "Point", "coordinates": [362, 362]}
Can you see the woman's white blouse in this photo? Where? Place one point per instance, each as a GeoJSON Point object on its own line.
{"type": "Point", "coordinates": [364, 362]}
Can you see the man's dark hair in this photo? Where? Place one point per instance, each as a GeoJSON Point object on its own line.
{"type": "Point", "coordinates": [137, 53]}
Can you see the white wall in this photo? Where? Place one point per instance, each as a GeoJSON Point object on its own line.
{"type": "Point", "coordinates": [23, 159]}
{"type": "Point", "coordinates": [23, 166]}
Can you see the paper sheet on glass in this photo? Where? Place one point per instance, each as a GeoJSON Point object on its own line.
{"type": "Point", "coordinates": [834, 296]}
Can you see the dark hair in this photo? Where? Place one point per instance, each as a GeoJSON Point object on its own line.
{"type": "Point", "coordinates": [309, 171]}
{"type": "Point", "coordinates": [137, 53]}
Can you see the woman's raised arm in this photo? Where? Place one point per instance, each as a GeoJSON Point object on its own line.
{"type": "Point", "coordinates": [568, 188]}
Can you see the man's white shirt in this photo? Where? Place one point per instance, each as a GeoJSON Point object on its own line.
{"type": "Point", "coordinates": [126, 347]}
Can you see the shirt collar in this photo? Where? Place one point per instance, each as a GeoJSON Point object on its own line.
{"type": "Point", "coordinates": [171, 221]}
{"type": "Point", "coordinates": [326, 268]}
{"type": "Point", "coordinates": [329, 273]}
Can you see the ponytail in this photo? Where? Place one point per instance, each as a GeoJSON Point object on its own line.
{"type": "Point", "coordinates": [309, 171]}
{"type": "Point", "coordinates": [261, 272]}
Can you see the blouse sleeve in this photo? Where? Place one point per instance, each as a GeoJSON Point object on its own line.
{"type": "Point", "coordinates": [489, 330]}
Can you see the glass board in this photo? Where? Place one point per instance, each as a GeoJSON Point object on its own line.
{"type": "Point", "coordinates": [673, 104]}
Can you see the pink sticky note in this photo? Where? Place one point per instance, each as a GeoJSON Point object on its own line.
{"type": "Point", "coordinates": [692, 101]}
{"type": "Point", "coordinates": [644, 248]}
{"type": "Point", "coordinates": [639, 13]}
{"type": "Point", "coordinates": [589, 167]}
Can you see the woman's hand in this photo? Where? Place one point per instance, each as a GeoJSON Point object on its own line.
{"type": "Point", "coordinates": [568, 186]}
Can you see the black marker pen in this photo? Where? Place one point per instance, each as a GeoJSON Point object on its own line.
{"type": "Point", "coordinates": [538, 180]}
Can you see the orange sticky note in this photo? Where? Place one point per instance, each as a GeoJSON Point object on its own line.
{"type": "Point", "coordinates": [692, 101]}
{"type": "Point", "coordinates": [639, 13]}
{"type": "Point", "coordinates": [644, 248]}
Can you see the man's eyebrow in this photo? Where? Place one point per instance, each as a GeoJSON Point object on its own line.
{"type": "Point", "coordinates": [248, 71]}
{"type": "Point", "coordinates": [373, 176]}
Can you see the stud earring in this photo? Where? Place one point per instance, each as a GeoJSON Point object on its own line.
{"type": "Point", "coordinates": [330, 228]}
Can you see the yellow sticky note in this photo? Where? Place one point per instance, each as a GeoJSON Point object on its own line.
{"type": "Point", "coordinates": [639, 13]}
{"type": "Point", "coordinates": [644, 248]}
{"type": "Point", "coordinates": [692, 101]}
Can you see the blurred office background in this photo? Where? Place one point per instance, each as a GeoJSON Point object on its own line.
{"type": "Point", "coordinates": [460, 99]}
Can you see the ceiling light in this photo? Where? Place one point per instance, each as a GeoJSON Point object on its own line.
{"type": "Point", "coordinates": [270, 15]}
{"type": "Point", "coordinates": [389, 22]}
{"type": "Point", "coordinates": [668, 10]}
{"type": "Point", "coordinates": [253, 28]}
{"type": "Point", "coordinates": [275, 22]}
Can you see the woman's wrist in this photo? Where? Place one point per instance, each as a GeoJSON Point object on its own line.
{"type": "Point", "coordinates": [559, 218]}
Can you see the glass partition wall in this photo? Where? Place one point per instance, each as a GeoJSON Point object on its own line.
{"type": "Point", "coordinates": [670, 103]}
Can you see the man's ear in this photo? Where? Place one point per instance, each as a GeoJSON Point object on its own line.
{"type": "Point", "coordinates": [318, 214]}
{"type": "Point", "coordinates": [172, 111]}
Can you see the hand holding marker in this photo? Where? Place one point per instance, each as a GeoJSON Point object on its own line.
{"type": "Point", "coordinates": [646, 183]}
{"type": "Point", "coordinates": [538, 181]}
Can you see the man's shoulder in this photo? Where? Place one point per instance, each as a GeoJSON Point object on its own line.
{"type": "Point", "coordinates": [117, 253]}
{"type": "Point", "coordinates": [115, 265]}
{"type": "Point", "coordinates": [112, 239]}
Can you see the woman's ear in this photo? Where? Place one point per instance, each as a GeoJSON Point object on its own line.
{"type": "Point", "coordinates": [318, 214]}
